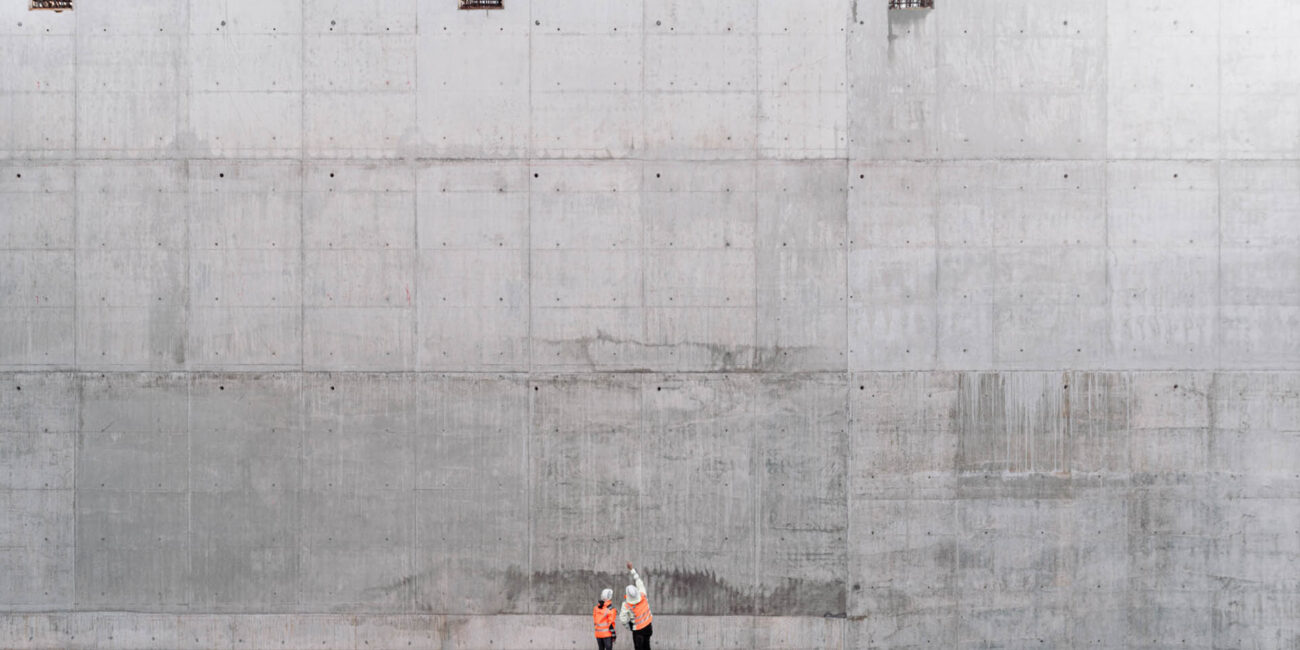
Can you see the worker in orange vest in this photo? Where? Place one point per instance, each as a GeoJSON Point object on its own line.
{"type": "Point", "coordinates": [635, 612]}
{"type": "Point", "coordinates": [602, 617]}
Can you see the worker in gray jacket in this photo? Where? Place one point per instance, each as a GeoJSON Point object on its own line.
{"type": "Point", "coordinates": [635, 612]}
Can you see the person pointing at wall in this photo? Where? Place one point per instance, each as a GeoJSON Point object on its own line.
{"type": "Point", "coordinates": [635, 612]}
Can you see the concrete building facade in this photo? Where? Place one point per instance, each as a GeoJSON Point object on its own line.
{"type": "Point", "coordinates": [343, 324]}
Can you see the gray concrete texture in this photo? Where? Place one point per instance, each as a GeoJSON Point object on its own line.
{"type": "Point", "coordinates": [342, 324]}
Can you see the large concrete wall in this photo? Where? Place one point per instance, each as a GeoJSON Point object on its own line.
{"type": "Point", "coordinates": [381, 324]}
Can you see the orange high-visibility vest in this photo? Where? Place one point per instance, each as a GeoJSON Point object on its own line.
{"type": "Point", "coordinates": [641, 613]}
{"type": "Point", "coordinates": [602, 617]}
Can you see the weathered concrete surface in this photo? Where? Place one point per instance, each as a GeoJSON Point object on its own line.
{"type": "Point", "coordinates": [349, 324]}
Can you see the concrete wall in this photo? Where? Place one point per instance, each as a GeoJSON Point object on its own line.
{"type": "Point", "coordinates": [362, 325]}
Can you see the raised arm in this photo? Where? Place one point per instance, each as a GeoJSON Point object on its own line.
{"type": "Point", "coordinates": [636, 579]}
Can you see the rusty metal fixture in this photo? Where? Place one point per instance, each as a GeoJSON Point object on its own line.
{"type": "Point", "coordinates": [481, 4]}
{"type": "Point", "coordinates": [911, 4]}
{"type": "Point", "coordinates": [56, 6]}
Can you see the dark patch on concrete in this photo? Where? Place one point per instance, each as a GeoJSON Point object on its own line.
{"type": "Point", "coordinates": [685, 591]}
{"type": "Point", "coordinates": [572, 591]}
{"type": "Point", "coordinates": [599, 352]}
{"type": "Point", "coordinates": [799, 597]}
{"type": "Point", "coordinates": [494, 593]}
{"type": "Point", "coordinates": [675, 591]}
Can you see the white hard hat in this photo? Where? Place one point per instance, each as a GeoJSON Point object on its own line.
{"type": "Point", "coordinates": [607, 594]}
{"type": "Point", "coordinates": [633, 594]}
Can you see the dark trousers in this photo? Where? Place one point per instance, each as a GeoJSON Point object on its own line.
{"type": "Point", "coordinates": [606, 643]}
{"type": "Point", "coordinates": [641, 637]}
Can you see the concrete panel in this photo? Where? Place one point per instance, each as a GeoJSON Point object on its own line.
{"type": "Point", "coordinates": [242, 436]}
{"type": "Point", "coordinates": [472, 227]}
{"type": "Point", "coordinates": [582, 278]}
{"type": "Point", "coordinates": [803, 101]}
{"type": "Point", "coordinates": [700, 63]}
{"type": "Point", "coordinates": [239, 337]}
{"type": "Point", "coordinates": [245, 205]}
{"type": "Point", "coordinates": [700, 456]}
{"type": "Point", "coordinates": [1047, 98]}
{"type": "Point", "coordinates": [893, 92]}
{"type": "Point", "coordinates": [355, 550]}
{"type": "Point", "coordinates": [134, 433]}
{"type": "Point", "coordinates": [40, 337]}
{"type": "Point", "coordinates": [483, 114]}
{"type": "Point", "coordinates": [37, 548]}
{"type": "Point", "coordinates": [802, 523]}
{"type": "Point", "coordinates": [359, 124]}
{"type": "Point", "coordinates": [585, 503]}
{"type": "Point", "coordinates": [1250, 43]}
{"type": "Point", "coordinates": [51, 135]}
{"type": "Point", "coordinates": [229, 63]}
{"type": "Point", "coordinates": [130, 205]}
{"type": "Point", "coordinates": [1013, 423]}
{"type": "Point", "coordinates": [611, 124]}
{"type": "Point", "coordinates": [245, 550]}
{"type": "Point", "coordinates": [1259, 203]}
{"type": "Point", "coordinates": [595, 63]}
{"type": "Point", "coordinates": [42, 64]}
{"type": "Point", "coordinates": [350, 205]}
{"type": "Point", "coordinates": [252, 124]}
{"type": "Point", "coordinates": [904, 434]}
{"type": "Point", "coordinates": [699, 223]}
{"type": "Point", "coordinates": [40, 205]}
{"type": "Point", "coordinates": [132, 549]}
{"type": "Point", "coordinates": [331, 340]}
{"type": "Point", "coordinates": [1168, 106]}
{"type": "Point", "coordinates": [44, 403]}
{"type": "Point", "coordinates": [801, 269]}
{"type": "Point", "coordinates": [358, 432]}
{"type": "Point", "coordinates": [38, 278]}
{"type": "Point", "coordinates": [1255, 422]}
{"type": "Point", "coordinates": [358, 62]}
{"type": "Point", "coordinates": [586, 266]}
{"type": "Point", "coordinates": [131, 239]}
{"type": "Point", "coordinates": [245, 269]}
{"type": "Point", "coordinates": [1021, 606]}
{"type": "Point", "coordinates": [681, 124]}
{"type": "Point", "coordinates": [36, 459]}
{"type": "Point", "coordinates": [472, 530]}
{"type": "Point", "coordinates": [150, 335]}
{"type": "Point", "coordinates": [1164, 310]}
{"type": "Point", "coordinates": [473, 205]}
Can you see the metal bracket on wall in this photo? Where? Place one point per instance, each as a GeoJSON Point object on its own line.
{"type": "Point", "coordinates": [911, 4]}
{"type": "Point", "coordinates": [481, 4]}
{"type": "Point", "coordinates": [51, 5]}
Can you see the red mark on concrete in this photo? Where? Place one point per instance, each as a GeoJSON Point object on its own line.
{"type": "Point", "coordinates": [408, 294]}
